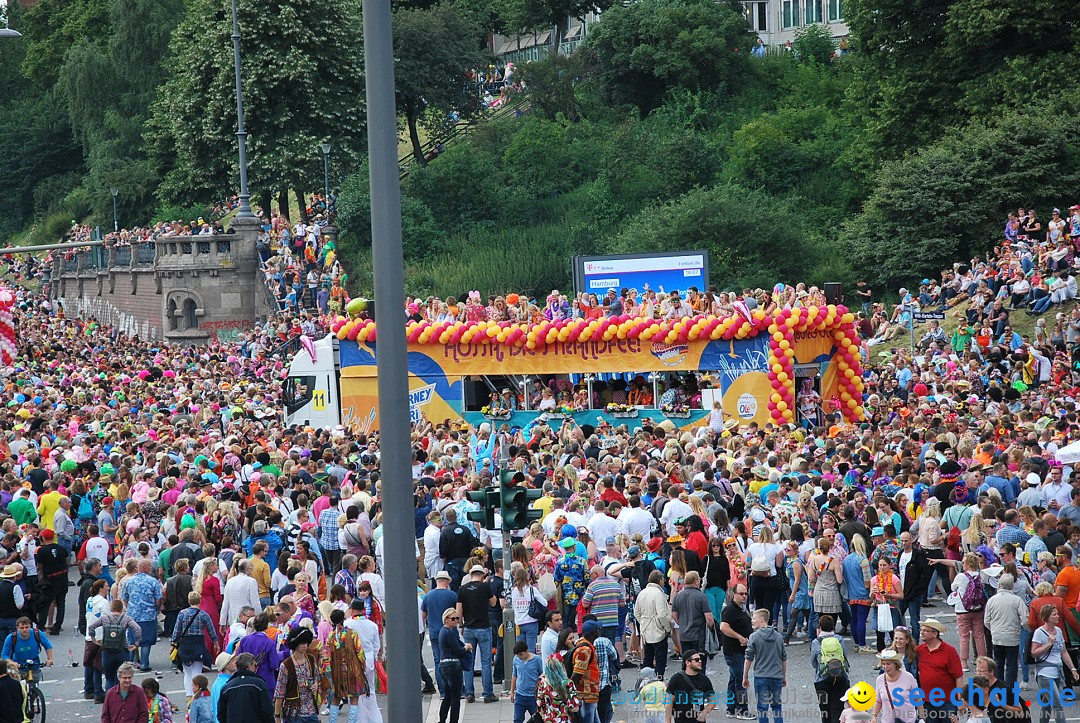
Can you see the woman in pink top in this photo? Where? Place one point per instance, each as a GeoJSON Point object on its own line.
{"type": "Point", "coordinates": [886, 588]}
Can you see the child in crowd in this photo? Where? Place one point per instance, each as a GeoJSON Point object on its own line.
{"type": "Point", "coordinates": [200, 709]}
{"type": "Point", "coordinates": [651, 694]}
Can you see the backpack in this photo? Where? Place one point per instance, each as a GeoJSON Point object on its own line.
{"type": "Point", "coordinates": [974, 596]}
{"type": "Point", "coordinates": [832, 657]}
{"type": "Point", "coordinates": [86, 508]}
{"type": "Point", "coordinates": [113, 635]}
{"type": "Point", "coordinates": [953, 540]}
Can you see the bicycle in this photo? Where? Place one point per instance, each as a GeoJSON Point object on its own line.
{"type": "Point", "coordinates": [35, 699]}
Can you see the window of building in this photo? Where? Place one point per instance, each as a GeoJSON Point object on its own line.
{"type": "Point", "coordinates": [789, 14]}
{"type": "Point", "coordinates": [757, 14]}
{"type": "Point", "coordinates": [836, 10]}
{"type": "Point", "coordinates": [812, 12]}
{"type": "Point", "coordinates": [191, 320]}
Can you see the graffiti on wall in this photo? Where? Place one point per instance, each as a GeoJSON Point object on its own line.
{"type": "Point", "coordinates": [107, 313]}
{"type": "Point", "coordinates": [227, 330]}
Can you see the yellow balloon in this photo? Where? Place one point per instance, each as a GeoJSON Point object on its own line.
{"type": "Point", "coordinates": [782, 377]}
{"type": "Point", "coordinates": [781, 405]}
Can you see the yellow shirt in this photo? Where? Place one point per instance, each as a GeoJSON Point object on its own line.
{"type": "Point", "coordinates": [544, 504]}
{"type": "Point", "coordinates": [48, 504]}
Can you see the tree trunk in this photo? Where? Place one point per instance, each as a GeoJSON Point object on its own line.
{"type": "Point", "coordinates": [264, 204]}
{"type": "Point", "coordinates": [414, 136]}
{"type": "Point", "coordinates": [302, 204]}
{"type": "Point", "coordinates": [283, 204]}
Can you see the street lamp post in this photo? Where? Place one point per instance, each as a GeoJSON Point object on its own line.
{"type": "Point", "coordinates": [244, 208]}
{"type": "Point", "coordinates": [326, 176]}
{"type": "Point", "coordinates": [115, 217]}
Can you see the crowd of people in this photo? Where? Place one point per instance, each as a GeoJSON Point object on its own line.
{"type": "Point", "coordinates": [195, 518]}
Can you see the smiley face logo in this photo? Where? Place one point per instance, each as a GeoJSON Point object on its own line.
{"type": "Point", "coordinates": [862, 696]}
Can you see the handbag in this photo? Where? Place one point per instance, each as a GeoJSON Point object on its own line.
{"type": "Point", "coordinates": [884, 618]}
{"type": "Point", "coordinates": [536, 609]}
{"type": "Point", "coordinates": [174, 646]}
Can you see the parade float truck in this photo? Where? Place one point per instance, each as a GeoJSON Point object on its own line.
{"type": "Point", "coordinates": [758, 366]}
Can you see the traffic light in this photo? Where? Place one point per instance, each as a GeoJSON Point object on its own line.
{"type": "Point", "coordinates": [489, 502]}
{"type": "Point", "coordinates": [516, 500]}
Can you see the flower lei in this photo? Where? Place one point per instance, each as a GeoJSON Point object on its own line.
{"type": "Point", "coordinates": [884, 587]}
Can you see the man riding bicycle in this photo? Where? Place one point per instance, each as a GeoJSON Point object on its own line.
{"type": "Point", "coordinates": [24, 646]}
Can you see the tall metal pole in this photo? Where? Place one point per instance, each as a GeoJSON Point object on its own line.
{"type": "Point", "coordinates": [115, 217]}
{"type": "Point", "coordinates": [326, 177]}
{"type": "Point", "coordinates": [402, 641]}
{"type": "Point", "coordinates": [243, 210]}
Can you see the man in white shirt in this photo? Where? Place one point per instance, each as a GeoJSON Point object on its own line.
{"type": "Point", "coordinates": [601, 525]}
{"type": "Point", "coordinates": [433, 564]}
{"type": "Point", "coordinates": [557, 511]}
{"type": "Point", "coordinates": [240, 591]}
{"type": "Point", "coordinates": [679, 308]}
{"type": "Point", "coordinates": [636, 520]}
{"type": "Point", "coordinates": [239, 629]}
{"type": "Point", "coordinates": [675, 509]}
{"type": "Point", "coordinates": [1058, 493]}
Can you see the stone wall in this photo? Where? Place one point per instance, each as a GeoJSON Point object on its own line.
{"type": "Point", "coordinates": [185, 289]}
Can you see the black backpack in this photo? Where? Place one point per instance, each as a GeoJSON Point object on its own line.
{"type": "Point", "coordinates": [113, 635]}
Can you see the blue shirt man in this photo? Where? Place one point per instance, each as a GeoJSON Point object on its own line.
{"type": "Point", "coordinates": [25, 645]}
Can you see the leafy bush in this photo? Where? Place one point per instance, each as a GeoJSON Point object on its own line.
{"type": "Point", "coordinates": [421, 236]}
{"type": "Point", "coordinates": [745, 249]}
{"type": "Point", "coordinates": [814, 44]}
{"type": "Point", "coordinates": [948, 201]}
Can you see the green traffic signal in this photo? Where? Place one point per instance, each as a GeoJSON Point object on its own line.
{"type": "Point", "coordinates": [516, 500]}
{"type": "Point", "coordinates": [488, 501]}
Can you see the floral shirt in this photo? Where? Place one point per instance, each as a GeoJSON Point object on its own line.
{"type": "Point", "coordinates": [890, 550]}
{"type": "Point", "coordinates": [142, 593]}
{"type": "Point", "coordinates": [570, 574]}
{"type": "Point", "coordinates": [551, 708]}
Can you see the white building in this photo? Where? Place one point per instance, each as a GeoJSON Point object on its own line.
{"type": "Point", "coordinates": [774, 21]}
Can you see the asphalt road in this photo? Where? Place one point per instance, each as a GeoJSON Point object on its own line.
{"type": "Point", "coordinates": [62, 684]}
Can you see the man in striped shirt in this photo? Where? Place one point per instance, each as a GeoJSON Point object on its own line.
{"type": "Point", "coordinates": [603, 598]}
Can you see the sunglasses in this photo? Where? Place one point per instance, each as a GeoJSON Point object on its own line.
{"type": "Point", "coordinates": [697, 658]}
{"type": "Point", "coordinates": [454, 617]}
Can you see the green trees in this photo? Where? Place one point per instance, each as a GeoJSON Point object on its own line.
{"type": "Point", "coordinates": [433, 49]}
{"type": "Point", "coordinates": [645, 49]}
{"type": "Point", "coordinates": [947, 201]}
{"type": "Point", "coordinates": [303, 84]}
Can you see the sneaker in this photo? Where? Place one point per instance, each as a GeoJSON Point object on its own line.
{"type": "Point", "coordinates": [88, 696]}
{"type": "Point", "coordinates": [470, 699]}
{"type": "Point", "coordinates": [491, 699]}
{"type": "Point", "coordinates": [428, 690]}
{"type": "Point", "coordinates": [99, 701]}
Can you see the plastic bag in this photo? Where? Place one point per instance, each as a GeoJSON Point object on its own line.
{"type": "Point", "coordinates": [884, 618]}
